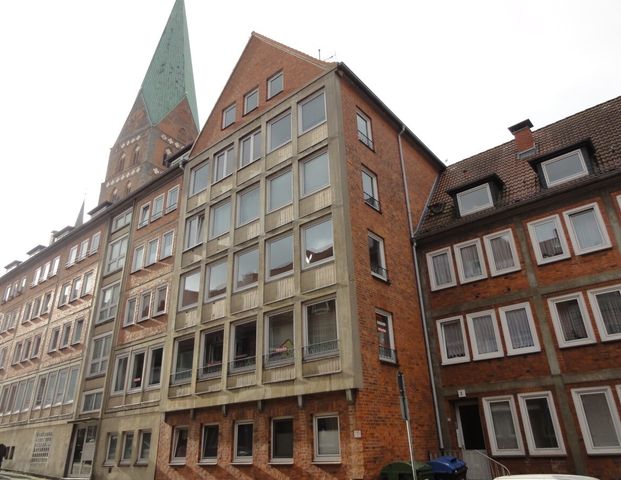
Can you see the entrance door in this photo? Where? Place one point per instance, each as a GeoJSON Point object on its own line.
{"type": "Point", "coordinates": [472, 441]}
{"type": "Point", "coordinates": [82, 451]}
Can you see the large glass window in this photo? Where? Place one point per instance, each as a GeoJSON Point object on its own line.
{"type": "Point", "coordinates": [571, 321]}
{"type": "Point", "coordinates": [321, 329]}
{"type": "Point", "coordinates": [543, 434]}
{"type": "Point", "coordinates": [188, 289]}
{"type": "Point", "coordinates": [248, 205]}
{"type": "Point", "coordinates": [279, 256]}
{"type": "Point", "coordinates": [244, 346]}
{"type": "Point", "coordinates": [502, 427]}
{"type": "Point", "coordinates": [211, 365]}
{"type": "Point", "coordinates": [452, 335]}
{"type": "Point", "coordinates": [317, 243]}
{"type": "Point", "coordinates": [116, 255]}
{"type": "Point", "coordinates": [312, 112]}
{"type": "Point", "coordinates": [215, 284]}
{"type": "Point", "coordinates": [599, 420]}
{"type": "Point", "coordinates": [279, 190]}
{"type": "Point", "coordinates": [108, 304]}
{"type": "Point", "coordinates": [199, 178]}
{"type": "Point", "coordinates": [209, 448]}
{"type": "Point", "coordinates": [251, 148]}
{"type": "Point", "coordinates": [484, 335]}
{"type": "Point", "coordinates": [586, 229]}
{"type": "Point", "coordinates": [282, 440]}
{"type": "Point", "coordinates": [314, 174]}
{"type": "Point", "coordinates": [548, 240]}
{"type": "Point", "coordinates": [327, 441]}
{"type": "Point", "coordinates": [220, 219]}
{"type": "Point", "coordinates": [246, 268]}
{"type": "Point", "coordinates": [184, 353]}
{"type": "Point", "coordinates": [279, 131]}
{"type": "Point", "coordinates": [100, 352]}
{"type": "Point", "coordinates": [279, 330]}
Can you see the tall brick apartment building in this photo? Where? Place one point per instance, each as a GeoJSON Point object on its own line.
{"type": "Point", "coordinates": [521, 268]}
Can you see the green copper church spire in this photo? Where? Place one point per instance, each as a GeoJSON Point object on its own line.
{"type": "Point", "coordinates": [169, 77]}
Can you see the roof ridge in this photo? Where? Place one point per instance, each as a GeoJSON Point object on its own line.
{"type": "Point", "coordinates": [292, 51]}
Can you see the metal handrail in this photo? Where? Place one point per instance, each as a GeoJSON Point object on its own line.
{"type": "Point", "coordinates": [364, 139]}
{"type": "Point", "coordinates": [278, 357]}
{"type": "Point", "coordinates": [210, 371]}
{"type": "Point", "coordinates": [379, 271]}
{"type": "Point", "coordinates": [181, 376]}
{"type": "Point", "coordinates": [242, 365]}
{"type": "Point", "coordinates": [329, 348]}
{"type": "Point", "coordinates": [387, 353]}
{"type": "Point", "coordinates": [497, 469]}
{"type": "Point", "coordinates": [371, 200]}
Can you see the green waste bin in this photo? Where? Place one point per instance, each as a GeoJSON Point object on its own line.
{"type": "Point", "coordinates": [403, 471]}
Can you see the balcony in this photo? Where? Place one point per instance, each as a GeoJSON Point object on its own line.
{"type": "Point", "coordinates": [321, 358]}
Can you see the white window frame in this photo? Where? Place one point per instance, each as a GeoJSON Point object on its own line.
{"type": "Point", "coordinates": [121, 220]}
{"type": "Point", "coordinates": [301, 104]}
{"type": "Point", "coordinates": [155, 241]}
{"type": "Point", "coordinates": [182, 278]}
{"type": "Point", "coordinates": [391, 336]}
{"type": "Point", "coordinates": [54, 339]}
{"type": "Point", "coordinates": [562, 343]}
{"type": "Point", "coordinates": [236, 458]}
{"type": "Point", "coordinates": [535, 243]}
{"type": "Point", "coordinates": [268, 193]}
{"type": "Point", "coordinates": [75, 338]}
{"type": "Point", "coordinates": [130, 370]}
{"type": "Point", "coordinates": [155, 312]}
{"type": "Point", "coordinates": [65, 336]}
{"type": "Point", "coordinates": [95, 240]}
{"type": "Point", "coordinates": [149, 368]}
{"type": "Point", "coordinates": [599, 320]}
{"type": "Point", "coordinates": [382, 257]}
{"type": "Point", "coordinates": [143, 216]}
{"type": "Point", "coordinates": [189, 242]}
{"type": "Point", "coordinates": [169, 207]}
{"type": "Point", "coordinates": [585, 170]}
{"type": "Point", "coordinates": [107, 460]}
{"type": "Point", "coordinates": [247, 96]}
{"type": "Point", "coordinates": [584, 426]}
{"type": "Point", "coordinates": [270, 92]}
{"type": "Point", "coordinates": [530, 438]}
{"type": "Point", "coordinates": [269, 131]}
{"type": "Point", "coordinates": [240, 195]}
{"type": "Point", "coordinates": [202, 167]}
{"type": "Point", "coordinates": [489, 204]}
{"type": "Point", "coordinates": [115, 377]}
{"type": "Point", "coordinates": [112, 307]}
{"type": "Point", "coordinates": [301, 173]}
{"type": "Point", "coordinates": [441, 340]}
{"type": "Point", "coordinates": [225, 112]}
{"type": "Point", "coordinates": [317, 458]}
{"type": "Point", "coordinates": [460, 265]}
{"type": "Point", "coordinates": [95, 392]}
{"type": "Point", "coordinates": [600, 224]}
{"type": "Point", "coordinates": [303, 229]}
{"type": "Point", "coordinates": [365, 138]}
{"type": "Point", "coordinates": [487, 240]}
{"type": "Point", "coordinates": [178, 460]}
{"type": "Point", "coordinates": [288, 273]}
{"type": "Point", "coordinates": [208, 460]}
{"type": "Point", "coordinates": [489, 423]}
{"type": "Point", "coordinates": [507, 334]}
{"type": "Point", "coordinates": [212, 212]}
{"type": "Point", "coordinates": [223, 164]}
{"type": "Point", "coordinates": [372, 200]}
{"type": "Point", "coordinates": [125, 436]}
{"type": "Point", "coordinates": [254, 155]}
{"type": "Point", "coordinates": [473, 339]}
{"type": "Point", "coordinates": [170, 234]}
{"type": "Point", "coordinates": [142, 317]}
{"type": "Point", "coordinates": [139, 458]}
{"type": "Point", "coordinates": [112, 265]}
{"type": "Point", "coordinates": [129, 317]}
{"type": "Point", "coordinates": [155, 214]}
{"type": "Point", "coordinates": [88, 277]}
{"type": "Point", "coordinates": [431, 270]}
{"type": "Point", "coordinates": [236, 269]}
{"type": "Point", "coordinates": [104, 359]}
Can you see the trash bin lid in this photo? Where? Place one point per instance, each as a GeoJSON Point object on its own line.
{"type": "Point", "coordinates": [446, 464]}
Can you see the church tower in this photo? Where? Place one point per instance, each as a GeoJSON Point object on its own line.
{"type": "Point", "coordinates": [164, 117]}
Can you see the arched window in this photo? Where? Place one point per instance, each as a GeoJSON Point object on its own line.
{"type": "Point", "coordinates": [136, 155]}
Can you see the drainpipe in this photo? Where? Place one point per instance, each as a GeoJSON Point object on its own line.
{"type": "Point", "coordinates": [418, 287]}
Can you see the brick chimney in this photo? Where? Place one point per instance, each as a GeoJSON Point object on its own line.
{"type": "Point", "coordinates": [524, 143]}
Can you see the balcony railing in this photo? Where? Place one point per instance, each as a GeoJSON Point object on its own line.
{"type": "Point", "coordinates": [278, 357]}
{"type": "Point", "coordinates": [387, 354]}
{"type": "Point", "coordinates": [322, 349]}
{"type": "Point", "coordinates": [242, 364]}
{"type": "Point", "coordinates": [371, 200]}
{"type": "Point", "coordinates": [181, 376]}
{"type": "Point", "coordinates": [366, 140]}
{"type": "Point", "coordinates": [212, 370]}
{"type": "Point", "coordinates": [379, 271]}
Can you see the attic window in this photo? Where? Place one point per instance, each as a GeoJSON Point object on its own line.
{"type": "Point", "coordinates": [228, 116]}
{"type": "Point", "coordinates": [475, 199]}
{"type": "Point", "coordinates": [564, 168]}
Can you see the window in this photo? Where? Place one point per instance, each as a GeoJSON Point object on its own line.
{"type": "Point", "coordinates": [158, 207]}
{"type": "Point", "coordinates": [126, 452]}
{"type": "Point", "coordinates": [143, 219]}
{"type": "Point", "coordinates": [92, 401]}
{"type": "Point", "coordinates": [279, 338]}
{"type": "Point", "coordinates": [363, 125]}
{"type": "Point", "coordinates": [155, 366]}
{"type": "Point", "coordinates": [130, 312]}
{"type": "Point", "coordinates": [250, 148]}
{"type": "Point", "coordinates": [385, 337]}
{"type": "Point", "coordinates": [194, 231]}
{"type": "Point", "coordinates": [76, 286]}
{"type": "Point", "coordinates": [63, 298]}
{"type": "Point", "coordinates": [26, 351]}
{"type": "Point", "coordinates": [3, 361]}
{"type": "Point", "coordinates": [484, 335]}
{"type": "Point", "coordinates": [46, 268]}
{"type": "Point", "coordinates": [376, 256]}
{"type": "Point", "coordinates": [224, 164]}
{"type": "Point", "coordinates": [369, 189]}
{"type": "Point", "coordinates": [501, 253]}
{"type": "Point", "coordinates": [519, 329]}
{"type": "Point", "coordinates": [543, 433]}
{"type": "Point", "coordinates": [243, 442]}
{"type": "Point", "coordinates": [321, 336]}
{"type": "Point", "coordinates": [60, 387]}
{"type": "Point", "coordinates": [279, 131]}
{"type": "Point", "coordinates": [312, 112]}
{"type": "Point", "coordinates": [326, 435]}
{"type": "Point", "coordinates": [209, 444]}
{"type": "Point", "coordinates": [46, 303]}
{"type": "Point", "coordinates": [184, 352]}
{"type": "Point", "coordinates": [145, 306]}
{"type": "Point", "coordinates": [167, 244]}
{"type": "Point", "coordinates": [586, 229]}
{"type": "Point", "coordinates": [152, 247]}
{"type": "Point", "coordinates": [251, 101]}
{"type": "Point", "coordinates": [246, 269]}
{"type": "Point", "coordinates": [317, 243]}
{"type": "Point", "coordinates": [220, 219]}
{"type": "Point", "coordinates": [82, 255]}
{"type": "Point", "coordinates": [73, 256]}
{"type": "Point", "coordinates": [180, 445]}
{"type": "Point", "coordinates": [599, 420]}
{"type": "Point", "coordinates": [441, 271]}
{"type": "Point", "coordinates": [211, 364]}
{"type": "Point", "coordinates": [172, 198]}
{"type": "Point", "coordinates": [452, 338]}
{"type": "Point", "coordinates": [17, 353]}
{"type": "Point", "coordinates": [228, 116]}
{"type": "Point", "coordinates": [279, 253]}
{"type": "Point", "coordinates": [571, 321]}
{"type": "Point", "coordinates": [144, 447]}
{"type": "Point", "coordinates": [501, 422]}
{"type": "Point", "coordinates": [54, 337]}
{"type": "Point", "coordinates": [137, 370]}
{"type": "Point", "coordinates": [26, 312]}
{"type": "Point", "coordinates": [279, 190]}
{"type": "Point", "coordinates": [188, 289]}
{"type": "Point", "coordinates": [113, 439]}
{"type": "Point", "coordinates": [199, 179]}
{"type": "Point", "coordinates": [38, 400]}
{"type": "Point", "coordinates": [282, 440]}
{"type": "Point", "coordinates": [88, 283]}
{"type": "Point", "coordinates": [108, 304]}
{"type": "Point", "coordinates": [248, 205]}
{"type": "Point", "coordinates": [470, 265]}
{"type": "Point", "coordinates": [564, 168]}
{"type": "Point", "coordinates": [121, 220]}
{"type": "Point", "coordinates": [244, 346]}
{"type": "Point", "coordinates": [99, 355]}
{"type": "Point", "coordinates": [65, 336]}
{"type": "Point", "coordinates": [215, 280]}
{"type": "Point", "coordinates": [314, 174]}
{"type": "Point", "coordinates": [48, 398]}
{"type": "Point", "coordinates": [606, 305]}
{"type": "Point", "coordinates": [275, 84]}
{"type": "Point", "coordinates": [160, 300]}
{"type": "Point", "coordinates": [36, 345]}
{"type": "Point", "coordinates": [120, 374]}
{"type": "Point", "coordinates": [548, 240]}
{"type": "Point", "coordinates": [95, 239]}
{"type": "Point", "coordinates": [56, 261]}
{"type": "Point", "coordinates": [116, 255]}
{"type": "Point", "coordinates": [475, 199]}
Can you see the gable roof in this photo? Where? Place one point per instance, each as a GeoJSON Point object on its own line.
{"type": "Point", "coordinates": [598, 126]}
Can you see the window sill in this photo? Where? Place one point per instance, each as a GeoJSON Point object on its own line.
{"type": "Point", "coordinates": [321, 461]}
{"type": "Point", "coordinates": [141, 464]}
{"type": "Point", "coordinates": [286, 461]}
{"type": "Point", "coordinates": [388, 361]}
{"type": "Point", "coordinates": [109, 464]}
{"type": "Point", "coordinates": [177, 463]}
{"type": "Point", "coordinates": [208, 462]}
{"type": "Point", "coordinates": [242, 462]}
{"type": "Point", "coordinates": [380, 278]}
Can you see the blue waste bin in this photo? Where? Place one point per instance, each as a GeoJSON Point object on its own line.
{"type": "Point", "coordinates": [448, 468]}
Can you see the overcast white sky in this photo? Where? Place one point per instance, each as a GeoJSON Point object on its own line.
{"type": "Point", "coordinates": [458, 73]}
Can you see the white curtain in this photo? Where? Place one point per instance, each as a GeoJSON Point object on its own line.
{"type": "Point", "coordinates": [519, 329]}
{"type": "Point", "coordinates": [586, 228]}
{"type": "Point", "coordinates": [485, 334]}
{"type": "Point", "coordinates": [470, 261]}
{"type": "Point", "coordinates": [571, 320]}
{"type": "Point", "coordinates": [453, 339]}
{"type": "Point", "coordinates": [504, 429]}
{"type": "Point", "coordinates": [501, 250]}
{"type": "Point", "coordinates": [441, 269]}
{"type": "Point", "coordinates": [610, 308]}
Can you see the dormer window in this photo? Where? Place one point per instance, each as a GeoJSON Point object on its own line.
{"type": "Point", "coordinates": [564, 168]}
{"type": "Point", "coordinates": [228, 116]}
{"type": "Point", "coordinates": [475, 199]}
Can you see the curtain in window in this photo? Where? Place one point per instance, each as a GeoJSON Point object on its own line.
{"type": "Point", "coordinates": [453, 339]}
{"type": "Point", "coordinates": [599, 420]}
{"type": "Point", "coordinates": [441, 269]}
{"type": "Point", "coordinates": [519, 329]}
{"type": "Point", "coordinates": [570, 317]}
{"type": "Point", "coordinates": [586, 229]}
{"type": "Point", "coordinates": [501, 250]}
{"type": "Point", "coordinates": [610, 308]}
{"type": "Point", "coordinates": [322, 327]}
{"type": "Point", "coordinates": [504, 430]}
{"type": "Point", "coordinates": [470, 261]}
{"type": "Point", "coordinates": [484, 334]}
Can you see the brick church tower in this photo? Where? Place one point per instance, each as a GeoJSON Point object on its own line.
{"type": "Point", "coordinates": [163, 119]}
